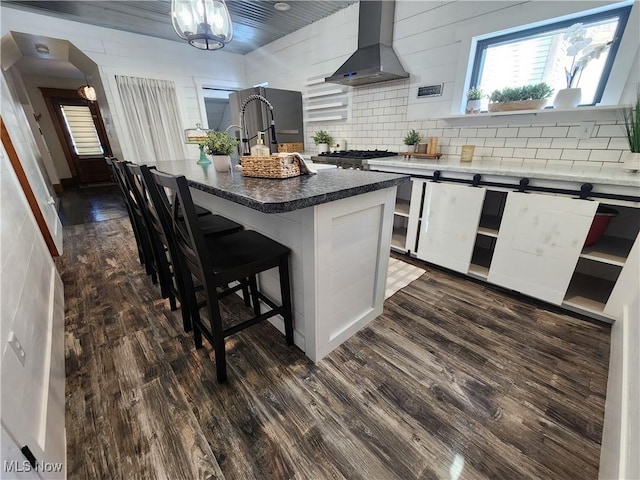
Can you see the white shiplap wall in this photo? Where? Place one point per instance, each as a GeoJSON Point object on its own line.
{"type": "Point", "coordinates": [433, 40]}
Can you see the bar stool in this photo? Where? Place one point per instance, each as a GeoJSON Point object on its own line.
{"type": "Point", "coordinates": [138, 226]}
{"type": "Point", "coordinates": [154, 203]}
{"type": "Point", "coordinates": [217, 261]}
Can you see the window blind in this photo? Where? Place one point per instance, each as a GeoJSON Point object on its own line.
{"type": "Point", "coordinates": [82, 130]}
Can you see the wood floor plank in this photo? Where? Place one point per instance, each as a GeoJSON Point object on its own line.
{"type": "Point", "coordinates": [453, 374]}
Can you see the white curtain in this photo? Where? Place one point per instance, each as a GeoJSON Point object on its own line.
{"type": "Point", "coordinates": [152, 117]}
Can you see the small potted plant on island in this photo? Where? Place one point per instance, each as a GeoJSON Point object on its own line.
{"type": "Point", "coordinates": [322, 139]}
{"type": "Point", "coordinates": [474, 98]}
{"type": "Point", "coordinates": [528, 97]}
{"type": "Point", "coordinates": [220, 146]}
{"type": "Point", "coordinates": [412, 139]}
{"type": "Point", "coordinates": [632, 129]}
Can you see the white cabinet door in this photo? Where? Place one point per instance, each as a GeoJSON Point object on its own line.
{"type": "Point", "coordinates": [626, 287]}
{"type": "Point", "coordinates": [540, 240]}
{"type": "Point", "coordinates": [449, 224]}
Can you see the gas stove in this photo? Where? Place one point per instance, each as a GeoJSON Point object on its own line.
{"type": "Point", "coordinates": [350, 158]}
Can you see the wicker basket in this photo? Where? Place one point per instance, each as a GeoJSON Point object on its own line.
{"type": "Point", "coordinates": [290, 147]}
{"type": "Point", "coordinates": [521, 105]}
{"type": "Point", "coordinates": [270, 167]}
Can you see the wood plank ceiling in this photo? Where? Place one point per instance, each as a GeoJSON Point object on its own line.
{"type": "Point", "coordinates": [256, 23]}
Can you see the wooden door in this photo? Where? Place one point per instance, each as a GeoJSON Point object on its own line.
{"type": "Point", "coordinates": [82, 135]}
{"type": "Point", "coordinates": [22, 151]}
{"type": "Point", "coordinates": [449, 223]}
{"type": "Point", "coordinates": [540, 241]}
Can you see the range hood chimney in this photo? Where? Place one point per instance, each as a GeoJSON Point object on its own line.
{"type": "Point", "coordinates": [374, 61]}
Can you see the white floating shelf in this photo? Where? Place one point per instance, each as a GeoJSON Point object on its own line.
{"type": "Point", "coordinates": [534, 113]}
{"type": "Point", "coordinates": [325, 93]}
{"type": "Point", "coordinates": [325, 105]}
{"type": "Point", "coordinates": [326, 119]}
{"type": "Point", "coordinates": [315, 81]}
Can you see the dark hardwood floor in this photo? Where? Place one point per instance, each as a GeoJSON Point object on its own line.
{"type": "Point", "coordinates": [454, 380]}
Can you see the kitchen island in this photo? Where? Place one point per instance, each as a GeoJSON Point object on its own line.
{"type": "Point", "coordinates": [338, 225]}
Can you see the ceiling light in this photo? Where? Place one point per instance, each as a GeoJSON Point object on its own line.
{"type": "Point", "coordinates": [88, 93]}
{"type": "Point", "coordinates": [205, 24]}
{"type": "Point", "coordinates": [282, 6]}
{"type": "Point", "coordinates": [42, 48]}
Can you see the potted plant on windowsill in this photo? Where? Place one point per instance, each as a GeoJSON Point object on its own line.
{"type": "Point", "coordinates": [527, 97]}
{"type": "Point", "coordinates": [577, 41]}
{"type": "Point", "coordinates": [632, 129]}
{"type": "Point", "coordinates": [322, 139]}
{"type": "Point", "coordinates": [474, 98]}
{"type": "Point", "coordinates": [220, 146]}
{"type": "Point", "coordinates": [412, 139]}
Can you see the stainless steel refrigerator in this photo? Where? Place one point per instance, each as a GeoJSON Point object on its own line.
{"type": "Point", "coordinates": [287, 114]}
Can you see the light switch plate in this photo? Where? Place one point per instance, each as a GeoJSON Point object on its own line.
{"type": "Point", "coordinates": [17, 348]}
{"type": "Point", "coordinates": [586, 129]}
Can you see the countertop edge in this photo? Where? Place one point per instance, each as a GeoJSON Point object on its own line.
{"type": "Point", "coordinates": [299, 203]}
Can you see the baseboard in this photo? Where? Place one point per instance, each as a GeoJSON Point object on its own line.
{"type": "Point", "coordinates": [69, 182]}
{"type": "Point", "coordinates": [58, 188]}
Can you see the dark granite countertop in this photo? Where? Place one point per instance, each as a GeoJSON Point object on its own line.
{"type": "Point", "coordinates": [281, 195]}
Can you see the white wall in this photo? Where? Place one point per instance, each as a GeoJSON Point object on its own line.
{"type": "Point", "coordinates": [122, 53]}
{"type": "Point", "coordinates": [433, 40]}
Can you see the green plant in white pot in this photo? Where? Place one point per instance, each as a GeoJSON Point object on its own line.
{"type": "Point", "coordinates": [632, 129]}
{"type": "Point", "coordinates": [474, 99]}
{"type": "Point", "coordinates": [412, 139]}
{"type": "Point", "coordinates": [322, 139]}
{"type": "Point", "coordinates": [220, 146]}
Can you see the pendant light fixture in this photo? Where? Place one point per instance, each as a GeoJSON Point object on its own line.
{"type": "Point", "coordinates": [87, 91]}
{"type": "Point", "coordinates": [205, 24]}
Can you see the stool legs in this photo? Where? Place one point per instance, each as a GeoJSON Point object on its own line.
{"type": "Point", "coordinates": [285, 292]}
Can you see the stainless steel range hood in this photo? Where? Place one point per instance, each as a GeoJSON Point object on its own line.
{"type": "Point", "coordinates": [374, 61]}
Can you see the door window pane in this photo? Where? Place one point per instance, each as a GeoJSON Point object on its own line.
{"type": "Point", "coordinates": [82, 130]}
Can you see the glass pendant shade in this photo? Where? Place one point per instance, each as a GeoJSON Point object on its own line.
{"type": "Point", "coordinates": [205, 24]}
{"type": "Point", "coordinates": [88, 93]}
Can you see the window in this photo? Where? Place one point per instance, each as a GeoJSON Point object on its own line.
{"type": "Point", "coordinates": [82, 130]}
{"type": "Point", "coordinates": [542, 54]}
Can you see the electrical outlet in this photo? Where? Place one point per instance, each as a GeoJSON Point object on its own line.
{"type": "Point", "coordinates": [586, 129]}
{"type": "Point", "coordinates": [17, 348]}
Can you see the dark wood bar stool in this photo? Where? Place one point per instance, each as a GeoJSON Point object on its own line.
{"type": "Point", "coordinates": [154, 203]}
{"type": "Point", "coordinates": [218, 261]}
{"type": "Point", "coordinates": [140, 232]}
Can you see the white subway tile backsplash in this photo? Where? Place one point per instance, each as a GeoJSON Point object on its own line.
{"type": "Point", "coordinates": [564, 143]}
{"type": "Point", "coordinates": [458, 141]}
{"type": "Point", "coordinates": [483, 151]}
{"type": "Point", "coordinates": [574, 132]}
{"type": "Point", "coordinates": [549, 153]}
{"type": "Point", "coordinates": [487, 132]}
{"type": "Point", "coordinates": [611, 131]}
{"type": "Point", "coordinates": [451, 132]}
{"type": "Point", "coordinates": [555, 131]}
{"type": "Point", "coordinates": [511, 161]}
{"type": "Point", "coordinates": [507, 132]}
{"type": "Point", "coordinates": [503, 152]}
{"type": "Point", "coordinates": [525, 152]}
{"type": "Point", "coordinates": [468, 132]}
{"type": "Point", "coordinates": [569, 154]}
{"type": "Point", "coordinates": [435, 132]}
{"type": "Point", "coordinates": [619, 143]}
{"type": "Point", "coordinates": [494, 142]}
{"type": "Point", "coordinates": [591, 143]}
{"type": "Point", "coordinates": [515, 142]}
{"type": "Point", "coordinates": [539, 143]}
{"type": "Point", "coordinates": [530, 132]}
{"type": "Point", "coordinates": [605, 155]}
